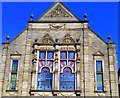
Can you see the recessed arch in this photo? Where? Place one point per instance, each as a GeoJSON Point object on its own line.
{"type": "Point", "coordinates": [44, 81]}
{"type": "Point", "coordinates": [67, 79]}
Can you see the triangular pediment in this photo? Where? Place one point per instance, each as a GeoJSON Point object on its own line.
{"type": "Point", "coordinates": [68, 39]}
{"type": "Point", "coordinates": [98, 53]}
{"type": "Point", "coordinates": [58, 12]}
{"type": "Point", "coordinates": [15, 53]}
{"type": "Point", "coordinates": [47, 39]}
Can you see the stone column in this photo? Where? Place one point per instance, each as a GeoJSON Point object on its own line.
{"type": "Point", "coordinates": [3, 75]}
{"type": "Point", "coordinates": [112, 68]}
{"type": "Point", "coordinates": [78, 69]}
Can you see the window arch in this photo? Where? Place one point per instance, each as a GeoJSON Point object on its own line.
{"type": "Point", "coordinates": [67, 79]}
{"type": "Point", "coordinates": [44, 79]}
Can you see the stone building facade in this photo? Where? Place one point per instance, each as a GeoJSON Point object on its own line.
{"type": "Point", "coordinates": [58, 55]}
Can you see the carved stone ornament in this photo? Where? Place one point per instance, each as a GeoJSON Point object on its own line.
{"type": "Point", "coordinates": [58, 12]}
{"type": "Point", "coordinates": [47, 39]}
{"type": "Point", "coordinates": [57, 26]}
{"type": "Point", "coordinates": [68, 39]}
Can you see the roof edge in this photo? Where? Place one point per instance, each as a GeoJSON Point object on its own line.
{"type": "Point", "coordinates": [97, 35]}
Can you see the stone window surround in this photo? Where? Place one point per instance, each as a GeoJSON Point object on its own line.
{"type": "Point", "coordinates": [12, 58]}
{"type": "Point", "coordinates": [99, 59]}
{"type": "Point", "coordinates": [60, 48]}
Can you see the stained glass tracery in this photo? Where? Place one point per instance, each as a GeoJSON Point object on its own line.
{"type": "Point", "coordinates": [15, 65]}
{"type": "Point", "coordinates": [46, 59]}
{"type": "Point", "coordinates": [67, 80]}
{"type": "Point", "coordinates": [99, 75]}
{"type": "Point", "coordinates": [67, 58]}
{"type": "Point", "coordinates": [45, 79]}
{"type": "Point", "coordinates": [13, 75]}
{"type": "Point", "coordinates": [13, 81]}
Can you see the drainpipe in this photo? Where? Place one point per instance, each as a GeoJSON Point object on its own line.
{"type": "Point", "coordinates": [109, 64]}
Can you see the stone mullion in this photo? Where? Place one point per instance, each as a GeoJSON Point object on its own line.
{"type": "Point", "coordinates": [36, 70]}
{"type": "Point", "coordinates": [56, 79]}
{"type": "Point", "coordinates": [78, 67]}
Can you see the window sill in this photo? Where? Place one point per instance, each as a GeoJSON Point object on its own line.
{"type": "Point", "coordinates": [11, 90]}
{"type": "Point", "coordinates": [53, 91]}
{"type": "Point", "coordinates": [100, 91]}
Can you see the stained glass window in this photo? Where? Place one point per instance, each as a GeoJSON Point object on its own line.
{"type": "Point", "coordinates": [99, 66]}
{"type": "Point", "coordinates": [63, 63]}
{"type": "Point", "coordinates": [50, 55]}
{"type": "Point", "coordinates": [99, 82]}
{"type": "Point", "coordinates": [67, 80]}
{"type": "Point", "coordinates": [13, 81]}
{"type": "Point", "coordinates": [41, 63]}
{"type": "Point", "coordinates": [71, 54]}
{"type": "Point", "coordinates": [67, 58]}
{"type": "Point", "coordinates": [99, 75]}
{"type": "Point", "coordinates": [63, 55]}
{"type": "Point", "coordinates": [71, 63]}
{"type": "Point", "coordinates": [50, 63]}
{"type": "Point", "coordinates": [45, 79]}
{"type": "Point", "coordinates": [46, 59]}
{"type": "Point", "coordinates": [42, 54]}
{"type": "Point", "coordinates": [15, 65]}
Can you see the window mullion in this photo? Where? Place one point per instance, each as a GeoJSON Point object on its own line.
{"type": "Point", "coordinates": [38, 53]}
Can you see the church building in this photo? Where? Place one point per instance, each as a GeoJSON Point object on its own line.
{"type": "Point", "coordinates": [58, 55]}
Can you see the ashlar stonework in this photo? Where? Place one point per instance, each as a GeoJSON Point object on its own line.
{"type": "Point", "coordinates": [59, 30]}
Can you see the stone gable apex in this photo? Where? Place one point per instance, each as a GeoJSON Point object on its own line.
{"type": "Point", "coordinates": [58, 12]}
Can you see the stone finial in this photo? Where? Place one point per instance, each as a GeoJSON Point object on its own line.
{"type": "Point", "coordinates": [85, 16]}
{"type": "Point", "coordinates": [77, 39]}
{"type": "Point", "coordinates": [58, 0]}
{"type": "Point", "coordinates": [31, 16]}
{"type": "Point", "coordinates": [7, 38]}
{"type": "Point", "coordinates": [109, 38]}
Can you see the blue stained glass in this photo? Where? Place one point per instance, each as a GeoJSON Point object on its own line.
{"type": "Point", "coordinates": [13, 81]}
{"type": "Point", "coordinates": [99, 82]}
{"type": "Point", "coordinates": [99, 66]}
{"type": "Point", "coordinates": [71, 54]}
{"type": "Point", "coordinates": [15, 65]}
{"type": "Point", "coordinates": [67, 80]}
{"type": "Point", "coordinates": [41, 63]}
{"type": "Point", "coordinates": [63, 55]}
{"type": "Point", "coordinates": [50, 55]}
{"type": "Point", "coordinates": [45, 79]}
{"type": "Point", "coordinates": [42, 54]}
{"type": "Point", "coordinates": [50, 63]}
{"type": "Point", "coordinates": [63, 63]}
{"type": "Point", "coordinates": [71, 63]}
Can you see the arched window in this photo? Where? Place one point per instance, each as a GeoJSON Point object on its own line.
{"type": "Point", "coordinates": [67, 80]}
{"type": "Point", "coordinates": [44, 79]}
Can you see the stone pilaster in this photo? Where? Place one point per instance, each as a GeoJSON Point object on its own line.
{"type": "Point", "coordinates": [113, 70]}
{"type": "Point", "coordinates": [3, 77]}
{"type": "Point", "coordinates": [27, 64]}
{"type": "Point", "coordinates": [86, 69]}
